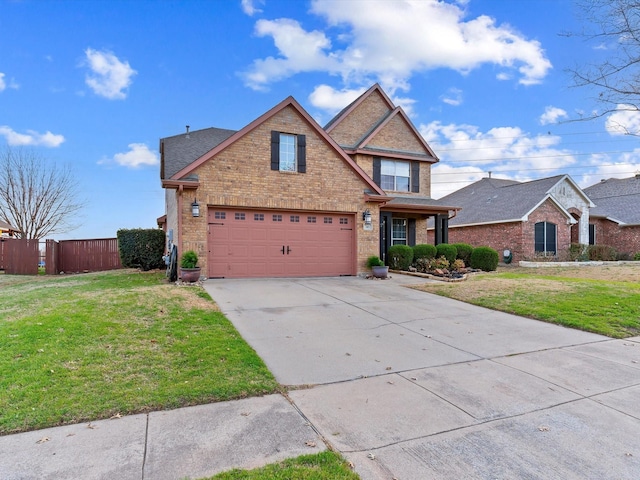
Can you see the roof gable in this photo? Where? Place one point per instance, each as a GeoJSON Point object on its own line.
{"type": "Point", "coordinates": [286, 103]}
{"type": "Point", "coordinates": [385, 136]}
{"type": "Point", "coordinates": [374, 96]}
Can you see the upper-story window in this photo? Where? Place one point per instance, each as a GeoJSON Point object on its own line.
{"type": "Point", "coordinates": [288, 152]}
{"type": "Point", "coordinates": [395, 175]}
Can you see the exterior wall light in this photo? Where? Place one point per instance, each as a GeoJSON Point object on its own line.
{"type": "Point", "coordinates": [195, 208]}
{"type": "Point", "coordinates": [366, 216]}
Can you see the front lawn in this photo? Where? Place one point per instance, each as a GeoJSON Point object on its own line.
{"type": "Point", "coordinates": [322, 466]}
{"type": "Point", "coordinates": [604, 300]}
{"type": "Point", "coordinates": [92, 346]}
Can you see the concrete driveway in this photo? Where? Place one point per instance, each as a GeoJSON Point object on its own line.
{"type": "Point", "coordinates": [409, 385]}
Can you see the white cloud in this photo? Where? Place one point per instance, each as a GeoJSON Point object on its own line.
{"type": "Point", "coordinates": [467, 154]}
{"type": "Point", "coordinates": [625, 166]}
{"type": "Point", "coordinates": [332, 100]}
{"type": "Point", "coordinates": [452, 97]}
{"type": "Point", "coordinates": [552, 115]}
{"type": "Point", "coordinates": [301, 51]}
{"type": "Point", "coordinates": [109, 76]}
{"type": "Point", "coordinates": [4, 85]}
{"type": "Point", "coordinates": [249, 6]}
{"type": "Point", "coordinates": [31, 138]}
{"type": "Point", "coordinates": [393, 41]}
{"type": "Point", "coordinates": [138, 155]}
{"type": "Point", "coordinates": [624, 121]}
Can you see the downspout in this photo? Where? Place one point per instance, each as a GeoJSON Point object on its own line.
{"type": "Point", "coordinates": [180, 191]}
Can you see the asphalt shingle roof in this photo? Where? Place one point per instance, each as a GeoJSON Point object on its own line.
{"type": "Point", "coordinates": [496, 200]}
{"type": "Point", "coordinates": [182, 150]}
{"type": "Point", "coordinates": [616, 198]}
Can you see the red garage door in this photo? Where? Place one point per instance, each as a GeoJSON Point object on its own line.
{"type": "Point", "coordinates": [250, 243]}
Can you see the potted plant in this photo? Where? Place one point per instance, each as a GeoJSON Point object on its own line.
{"type": "Point", "coordinates": [189, 271]}
{"type": "Point", "coordinates": [377, 266]}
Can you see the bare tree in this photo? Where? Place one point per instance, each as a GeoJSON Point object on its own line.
{"type": "Point", "coordinates": [614, 24]}
{"type": "Point", "coordinates": [36, 196]}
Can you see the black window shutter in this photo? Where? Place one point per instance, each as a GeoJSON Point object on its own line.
{"type": "Point", "coordinates": [415, 177]}
{"type": "Point", "coordinates": [377, 170]}
{"type": "Point", "coordinates": [275, 150]}
{"type": "Point", "coordinates": [551, 238]}
{"type": "Point", "coordinates": [539, 236]}
{"type": "Point", "coordinates": [411, 234]}
{"type": "Point", "coordinates": [302, 154]}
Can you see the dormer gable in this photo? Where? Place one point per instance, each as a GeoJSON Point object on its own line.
{"type": "Point", "coordinates": [373, 125]}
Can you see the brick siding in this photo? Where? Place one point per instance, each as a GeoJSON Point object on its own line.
{"type": "Point", "coordinates": [519, 237]}
{"type": "Point", "coordinates": [241, 176]}
{"type": "Point", "coordinates": [623, 239]}
{"type": "Point", "coordinates": [361, 120]}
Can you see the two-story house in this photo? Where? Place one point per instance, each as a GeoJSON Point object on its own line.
{"type": "Point", "coordinates": [284, 197]}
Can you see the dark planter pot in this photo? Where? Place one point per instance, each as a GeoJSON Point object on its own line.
{"type": "Point", "coordinates": [380, 272]}
{"type": "Point", "coordinates": [190, 274]}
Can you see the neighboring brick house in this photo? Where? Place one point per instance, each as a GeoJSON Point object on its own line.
{"type": "Point", "coordinates": [285, 197]}
{"type": "Point", "coordinates": [530, 219]}
{"type": "Point", "coordinates": [615, 219]}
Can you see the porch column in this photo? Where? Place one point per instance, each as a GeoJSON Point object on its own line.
{"type": "Point", "coordinates": [441, 229]}
{"type": "Point", "coordinates": [583, 226]}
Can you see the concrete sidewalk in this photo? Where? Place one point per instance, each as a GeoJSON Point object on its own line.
{"type": "Point", "coordinates": [193, 442]}
{"type": "Point", "coordinates": [405, 384]}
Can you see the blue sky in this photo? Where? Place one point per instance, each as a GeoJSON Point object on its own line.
{"type": "Point", "coordinates": [96, 84]}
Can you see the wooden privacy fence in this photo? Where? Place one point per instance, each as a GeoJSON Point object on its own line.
{"type": "Point", "coordinates": [21, 256]}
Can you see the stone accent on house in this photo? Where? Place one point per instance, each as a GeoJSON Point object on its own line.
{"type": "Point", "coordinates": [566, 194]}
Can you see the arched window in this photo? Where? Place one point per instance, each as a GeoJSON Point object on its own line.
{"type": "Point", "coordinates": [545, 238]}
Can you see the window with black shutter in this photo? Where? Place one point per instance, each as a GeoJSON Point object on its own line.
{"type": "Point", "coordinates": [288, 152]}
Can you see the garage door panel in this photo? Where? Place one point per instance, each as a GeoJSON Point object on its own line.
{"type": "Point", "coordinates": [250, 244]}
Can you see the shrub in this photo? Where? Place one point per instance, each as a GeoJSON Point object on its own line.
{"type": "Point", "coordinates": [189, 259]}
{"type": "Point", "coordinates": [636, 257]}
{"type": "Point", "coordinates": [602, 253]}
{"type": "Point", "coordinates": [623, 256]}
{"type": "Point", "coordinates": [484, 258]}
{"type": "Point", "coordinates": [458, 264]}
{"type": "Point", "coordinates": [464, 252]}
{"type": "Point", "coordinates": [424, 250]}
{"type": "Point", "coordinates": [400, 257]}
{"type": "Point", "coordinates": [578, 252]}
{"type": "Point", "coordinates": [440, 262]}
{"type": "Point", "coordinates": [141, 248]}
{"type": "Point", "coordinates": [374, 261]}
{"type": "Point", "coordinates": [450, 252]}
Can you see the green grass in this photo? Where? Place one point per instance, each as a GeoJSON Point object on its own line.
{"type": "Point", "coordinates": [322, 466]}
{"type": "Point", "coordinates": [85, 347]}
{"type": "Point", "coordinates": [610, 308]}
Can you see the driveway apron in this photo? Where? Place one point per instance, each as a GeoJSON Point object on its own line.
{"type": "Point", "coordinates": [410, 385]}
